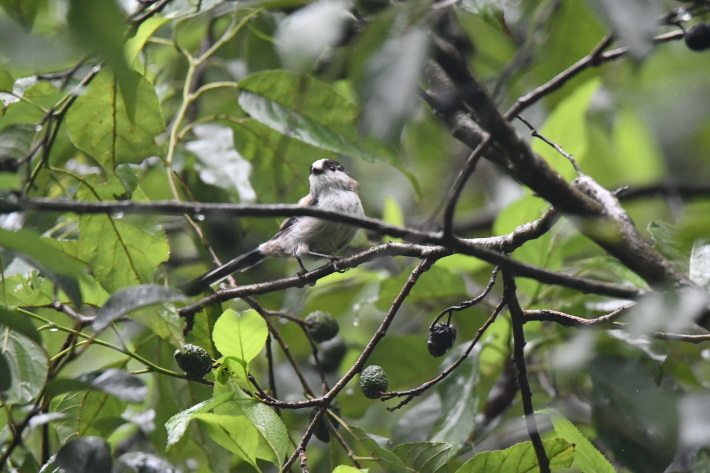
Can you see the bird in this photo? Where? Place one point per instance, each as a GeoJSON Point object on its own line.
{"type": "Point", "coordinates": [331, 188]}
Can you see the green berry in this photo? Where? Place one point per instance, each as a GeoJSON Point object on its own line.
{"type": "Point", "coordinates": [321, 325]}
{"type": "Point", "coordinates": [373, 381]}
{"type": "Point", "coordinates": [331, 353]}
{"type": "Point", "coordinates": [194, 361]}
{"type": "Point", "coordinates": [441, 337]}
{"type": "Point", "coordinates": [697, 38]}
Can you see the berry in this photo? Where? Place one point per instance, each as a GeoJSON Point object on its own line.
{"type": "Point", "coordinates": [321, 430]}
{"type": "Point", "coordinates": [331, 353]}
{"type": "Point", "coordinates": [373, 381]}
{"type": "Point", "coordinates": [697, 38]}
{"type": "Point", "coordinates": [321, 325]}
{"type": "Point", "coordinates": [194, 361]}
{"type": "Point", "coordinates": [441, 337]}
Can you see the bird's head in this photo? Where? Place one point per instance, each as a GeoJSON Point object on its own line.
{"type": "Point", "coordinates": [327, 174]}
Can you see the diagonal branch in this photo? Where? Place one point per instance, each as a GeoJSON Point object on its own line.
{"type": "Point", "coordinates": [589, 205]}
{"type": "Point", "coordinates": [517, 316]}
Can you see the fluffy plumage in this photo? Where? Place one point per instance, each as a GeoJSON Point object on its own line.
{"type": "Point", "coordinates": [330, 188]}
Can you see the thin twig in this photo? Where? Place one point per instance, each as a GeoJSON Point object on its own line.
{"type": "Point", "coordinates": [412, 393]}
{"type": "Point", "coordinates": [359, 364]}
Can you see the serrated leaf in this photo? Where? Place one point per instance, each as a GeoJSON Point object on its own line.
{"type": "Point", "coordinates": [117, 383]}
{"type": "Point", "coordinates": [307, 110]}
{"type": "Point", "coordinates": [27, 364]}
{"type": "Point", "coordinates": [386, 459]}
{"type": "Point", "coordinates": [587, 458]}
{"type": "Point", "coordinates": [121, 253]}
{"type": "Point", "coordinates": [85, 455]}
{"type": "Point", "coordinates": [56, 265]}
{"type": "Point", "coordinates": [89, 413]}
{"type": "Point", "coordinates": [240, 336]}
{"type": "Point", "coordinates": [520, 458]}
{"type": "Point", "coordinates": [127, 300]}
{"type": "Point", "coordinates": [424, 457]}
{"type": "Point", "coordinates": [99, 124]}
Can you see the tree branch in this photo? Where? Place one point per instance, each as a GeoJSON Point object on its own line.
{"type": "Point", "coordinates": [517, 316]}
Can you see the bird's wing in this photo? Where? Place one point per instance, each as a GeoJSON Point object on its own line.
{"type": "Point", "coordinates": [305, 201]}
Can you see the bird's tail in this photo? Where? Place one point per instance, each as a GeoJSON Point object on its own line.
{"type": "Point", "coordinates": [240, 263]}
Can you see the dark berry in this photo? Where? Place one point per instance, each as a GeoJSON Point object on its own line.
{"type": "Point", "coordinates": [331, 353]}
{"type": "Point", "coordinates": [373, 381]}
{"type": "Point", "coordinates": [321, 325]}
{"type": "Point", "coordinates": [194, 361]}
{"type": "Point", "coordinates": [321, 431]}
{"type": "Point", "coordinates": [697, 38]}
{"type": "Point", "coordinates": [441, 337]}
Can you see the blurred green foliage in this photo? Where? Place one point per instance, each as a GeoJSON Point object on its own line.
{"type": "Point", "coordinates": [205, 101]}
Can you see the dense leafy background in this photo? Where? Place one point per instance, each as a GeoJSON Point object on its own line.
{"type": "Point", "coordinates": [220, 101]}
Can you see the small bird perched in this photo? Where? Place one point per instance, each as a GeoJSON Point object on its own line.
{"type": "Point", "coordinates": [332, 189]}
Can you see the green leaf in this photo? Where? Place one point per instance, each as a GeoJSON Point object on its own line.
{"type": "Point", "coordinates": [665, 241]}
{"type": "Point", "coordinates": [177, 424]}
{"type": "Point", "coordinates": [98, 122]}
{"type": "Point", "coordinates": [273, 164]}
{"type": "Point", "coordinates": [240, 336]}
{"type": "Point", "coordinates": [121, 253]}
{"type": "Point", "coordinates": [459, 400]}
{"type": "Point", "coordinates": [5, 375]}
{"type": "Point", "coordinates": [89, 413]}
{"type": "Point", "coordinates": [385, 459]}
{"type": "Point", "coordinates": [437, 283]}
{"type": "Point", "coordinates": [235, 433]}
{"type": "Point", "coordinates": [636, 155]}
{"type": "Point", "coordinates": [348, 469]}
{"type": "Point", "coordinates": [307, 110]}
{"type": "Point", "coordinates": [22, 12]}
{"type": "Point", "coordinates": [20, 323]}
{"type": "Point", "coordinates": [273, 435]}
{"type": "Point", "coordinates": [424, 457]}
{"type": "Point", "coordinates": [567, 127]}
{"type": "Point", "coordinates": [100, 27]}
{"type": "Point", "coordinates": [135, 44]}
{"type": "Point", "coordinates": [127, 300]}
{"type": "Point", "coordinates": [27, 364]}
{"type": "Point", "coordinates": [587, 458]}
{"type": "Point", "coordinates": [85, 455]}
{"type": "Point", "coordinates": [61, 268]}
{"type": "Point", "coordinates": [520, 458]}
{"type": "Point", "coordinates": [117, 383]}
